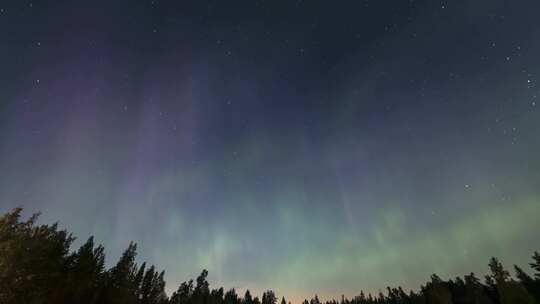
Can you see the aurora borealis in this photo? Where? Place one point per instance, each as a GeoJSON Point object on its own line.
{"type": "Point", "coordinates": [304, 146]}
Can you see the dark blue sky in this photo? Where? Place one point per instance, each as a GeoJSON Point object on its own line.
{"type": "Point", "coordinates": [304, 146]}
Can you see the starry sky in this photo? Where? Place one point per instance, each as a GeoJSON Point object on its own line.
{"type": "Point", "coordinates": [304, 146]}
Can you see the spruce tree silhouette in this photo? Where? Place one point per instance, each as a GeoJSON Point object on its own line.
{"type": "Point", "coordinates": [247, 298]}
{"type": "Point", "coordinates": [269, 297]}
{"type": "Point", "coordinates": [536, 265]}
{"type": "Point", "coordinates": [86, 273]}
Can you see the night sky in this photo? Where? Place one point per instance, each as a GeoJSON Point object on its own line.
{"type": "Point", "coordinates": [303, 146]}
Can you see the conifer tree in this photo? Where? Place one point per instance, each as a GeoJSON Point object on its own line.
{"type": "Point", "coordinates": [247, 298]}
{"type": "Point", "coordinates": [269, 297]}
{"type": "Point", "coordinates": [536, 265]}
{"type": "Point", "coordinates": [231, 297]}
{"type": "Point", "coordinates": [121, 278]}
{"type": "Point", "coordinates": [34, 260]}
{"type": "Point", "coordinates": [86, 273]}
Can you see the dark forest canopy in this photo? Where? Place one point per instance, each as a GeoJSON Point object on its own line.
{"type": "Point", "coordinates": [37, 266]}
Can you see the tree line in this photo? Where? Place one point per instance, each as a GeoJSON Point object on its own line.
{"type": "Point", "coordinates": [37, 267]}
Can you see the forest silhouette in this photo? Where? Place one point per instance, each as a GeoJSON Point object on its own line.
{"type": "Point", "coordinates": [37, 266]}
